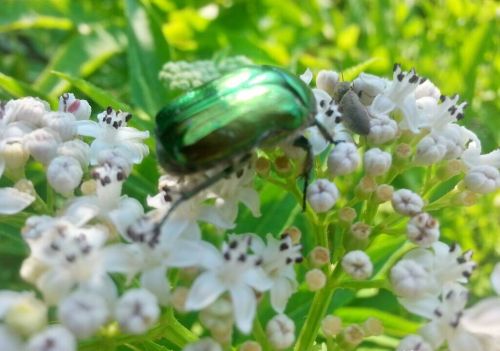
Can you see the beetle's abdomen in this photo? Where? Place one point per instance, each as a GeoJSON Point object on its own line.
{"type": "Point", "coordinates": [230, 116]}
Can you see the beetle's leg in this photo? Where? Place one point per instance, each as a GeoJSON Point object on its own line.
{"type": "Point", "coordinates": [324, 133]}
{"type": "Point", "coordinates": [303, 143]}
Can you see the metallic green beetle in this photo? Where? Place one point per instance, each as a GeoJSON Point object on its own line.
{"type": "Point", "coordinates": [219, 123]}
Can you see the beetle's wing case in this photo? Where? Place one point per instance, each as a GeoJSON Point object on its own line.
{"type": "Point", "coordinates": [231, 115]}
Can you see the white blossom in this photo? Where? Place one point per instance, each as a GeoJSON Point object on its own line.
{"type": "Point", "coordinates": [79, 108]}
{"type": "Point", "coordinates": [278, 258]}
{"type": "Point", "coordinates": [13, 154]}
{"type": "Point", "coordinates": [64, 174]}
{"type": "Point", "coordinates": [377, 162]}
{"type": "Point", "coordinates": [409, 279]}
{"type": "Point", "coordinates": [322, 195]}
{"type": "Point", "coordinates": [367, 86]}
{"type": "Point", "coordinates": [406, 202]}
{"type": "Point", "coordinates": [280, 331]}
{"type": "Point", "coordinates": [137, 310]}
{"type": "Point", "coordinates": [382, 128]}
{"type": "Point", "coordinates": [344, 159]}
{"type": "Point", "coordinates": [83, 313]}
{"type": "Point", "coordinates": [42, 144]}
{"type": "Point", "coordinates": [431, 149]}
{"type": "Point", "coordinates": [483, 179]}
{"type": "Point", "coordinates": [111, 132]}
{"type": "Point", "coordinates": [357, 264]}
{"type": "Point", "coordinates": [326, 80]}
{"type": "Point", "coordinates": [77, 149]}
{"type": "Point", "coordinates": [423, 230]}
{"type": "Point", "coordinates": [235, 271]}
{"type": "Point", "coordinates": [13, 201]}
{"type": "Point", "coordinates": [28, 110]}
{"type": "Point", "coordinates": [414, 343]}
{"type": "Point", "coordinates": [54, 338]}
{"type": "Point", "coordinates": [62, 123]}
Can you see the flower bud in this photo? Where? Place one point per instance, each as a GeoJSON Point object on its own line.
{"type": "Point", "coordinates": [57, 337]}
{"type": "Point", "coordinates": [76, 149]}
{"type": "Point", "coordinates": [31, 269]}
{"type": "Point", "coordinates": [344, 159]}
{"type": "Point", "coordinates": [280, 331]}
{"type": "Point", "coordinates": [427, 89]}
{"type": "Point", "coordinates": [407, 202]}
{"type": "Point", "coordinates": [367, 86]}
{"type": "Point", "coordinates": [430, 149]}
{"type": "Point", "coordinates": [482, 179]}
{"type": "Point", "coordinates": [377, 162]}
{"type": "Point", "coordinates": [250, 346]}
{"type": "Point", "coordinates": [315, 279]}
{"type": "Point", "coordinates": [88, 187]}
{"type": "Point", "coordinates": [61, 123]}
{"type": "Point", "coordinates": [137, 310]}
{"type": "Point", "coordinates": [414, 342]}
{"type": "Point", "coordinates": [423, 230]}
{"type": "Point", "coordinates": [322, 195]}
{"type": "Point", "coordinates": [79, 108]}
{"type": "Point", "coordinates": [384, 193]}
{"type": "Point", "coordinates": [205, 344]}
{"type": "Point", "coordinates": [320, 256]}
{"type": "Point", "coordinates": [262, 166]}
{"type": "Point", "coordinates": [409, 279]}
{"type": "Point", "coordinates": [27, 109]}
{"type": "Point", "coordinates": [178, 298]}
{"type": "Point", "coordinates": [382, 129]}
{"type": "Point", "coordinates": [83, 313]}
{"type": "Point", "coordinates": [331, 325]}
{"type": "Point", "coordinates": [347, 214]}
{"type": "Point", "coordinates": [42, 144]}
{"type": "Point", "coordinates": [283, 165]}
{"type": "Point", "coordinates": [26, 315]}
{"type": "Point", "coordinates": [64, 174]}
{"type": "Point", "coordinates": [465, 198]}
{"type": "Point", "coordinates": [365, 187]}
{"type": "Point", "coordinates": [403, 151]}
{"type": "Point", "coordinates": [357, 264]}
{"type": "Point", "coordinates": [361, 231]}
{"type": "Point", "coordinates": [326, 80]}
{"type": "Point", "coordinates": [14, 154]}
{"type": "Point", "coordinates": [353, 335]}
{"type": "Point", "coordinates": [294, 233]}
{"type": "Point", "coordinates": [373, 327]}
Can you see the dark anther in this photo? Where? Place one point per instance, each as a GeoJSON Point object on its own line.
{"type": "Point", "coordinates": [54, 247]}
{"type": "Point", "coordinates": [242, 258]}
{"type": "Point", "coordinates": [466, 274]}
{"type": "Point", "coordinates": [258, 262]}
{"type": "Point", "coordinates": [422, 80]}
{"type": "Point", "coordinates": [239, 173]}
{"type": "Point", "coordinates": [461, 260]}
{"type": "Point", "coordinates": [452, 109]}
{"type": "Point", "coordinates": [329, 113]}
{"type": "Point", "coordinates": [395, 67]}
{"type": "Point", "coordinates": [449, 295]}
{"type": "Point", "coordinates": [115, 124]}
{"type": "Point", "coordinates": [128, 117]}
{"type": "Point", "coordinates": [108, 120]}
{"type": "Point", "coordinates": [299, 259]}
{"type": "Point", "coordinates": [322, 103]}
{"type": "Point", "coordinates": [70, 258]}
{"type": "Point", "coordinates": [284, 235]}
{"type": "Point", "coordinates": [442, 98]}
{"type": "Point", "coordinates": [227, 256]}
{"type": "Point", "coordinates": [233, 244]}
{"type": "Point", "coordinates": [120, 123]}
{"type": "Point", "coordinates": [120, 176]}
{"type": "Point", "coordinates": [341, 109]}
{"type": "Point", "coordinates": [438, 313]}
{"type": "Point", "coordinates": [107, 180]}
{"type": "Point", "coordinates": [460, 116]}
{"type": "Point", "coordinates": [288, 260]}
{"type": "Point", "coordinates": [453, 246]}
{"type": "Point", "coordinates": [284, 246]}
{"type": "Point", "coordinates": [86, 249]}
{"type": "Point", "coordinates": [338, 119]}
{"type": "Point", "coordinates": [167, 198]}
{"type": "Point", "coordinates": [413, 79]}
{"type": "Point", "coordinates": [95, 174]}
{"type": "Point", "coordinates": [400, 77]}
{"type": "Point", "coordinates": [109, 110]}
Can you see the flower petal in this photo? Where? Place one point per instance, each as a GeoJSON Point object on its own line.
{"type": "Point", "coordinates": [155, 281]}
{"type": "Point", "coordinates": [250, 198]}
{"type": "Point", "coordinates": [13, 201]}
{"type": "Point", "coordinates": [257, 279]}
{"type": "Point", "coordinates": [55, 285]}
{"type": "Point", "coordinates": [483, 317]}
{"type": "Point", "coordinates": [244, 305]}
{"type": "Point", "coordinates": [495, 278]}
{"type": "Point", "coordinates": [280, 293]}
{"type": "Point", "coordinates": [205, 290]}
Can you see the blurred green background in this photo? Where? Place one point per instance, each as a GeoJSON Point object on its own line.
{"type": "Point", "coordinates": [120, 46]}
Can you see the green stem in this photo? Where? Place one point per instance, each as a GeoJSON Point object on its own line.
{"type": "Point", "coordinates": [260, 336]}
{"type": "Point", "coordinates": [50, 198]}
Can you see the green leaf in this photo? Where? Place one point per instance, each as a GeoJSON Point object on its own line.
{"type": "Point", "coordinates": [354, 71]}
{"type": "Point", "coordinates": [19, 89]}
{"type": "Point", "coordinates": [147, 51]}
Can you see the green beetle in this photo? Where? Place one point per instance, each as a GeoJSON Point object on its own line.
{"type": "Point", "coordinates": [217, 125]}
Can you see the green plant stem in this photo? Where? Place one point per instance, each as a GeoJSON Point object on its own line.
{"type": "Point", "coordinates": [260, 335]}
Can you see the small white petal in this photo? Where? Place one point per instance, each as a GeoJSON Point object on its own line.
{"type": "Point", "coordinates": [483, 317]}
{"type": "Point", "coordinates": [280, 293]}
{"type": "Point", "coordinates": [495, 278]}
{"type": "Point", "coordinates": [13, 201]}
{"type": "Point", "coordinates": [205, 290]}
{"type": "Point", "coordinates": [155, 280]}
{"type": "Point", "coordinates": [307, 76]}
{"type": "Point", "coordinates": [244, 305]}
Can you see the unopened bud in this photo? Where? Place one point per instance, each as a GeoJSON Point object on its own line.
{"type": "Point", "coordinates": [360, 230]}
{"type": "Point", "coordinates": [88, 187]}
{"type": "Point", "coordinates": [315, 279]}
{"type": "Point", "coordinates": [27, 315]}
{"type": "Point", "coordinates": [294, 233]}
{"type": "Point", "coordinates": [384, 193]}
{"type": "Point", "coordinates": [353, 335]}
{"type": "Point", "coordinates": [250, 346]}
{"type": "Point", "coordinates": [14, 154]}
{"type": "Point", "coordinates": [465, 198]}
{"type": "Point", "coordinates": [373, 327]}
{"type": "Point", "coordinates": [326, 80]}
{"type": "Point", "coordinates": [331, 326]}
{"type": "Point", "coordinates": [262, 166]}
{"type": "Point", "coordinates": [365, 187]}
{"type": "Point", "coordinates": [283, 165]}
{"type": "Point", "coordinates": [347, 214]}
{"type": "Point", "coordinates": [178, 298]}
{"type": "Point", "coordinates": [320, 256]}
{"type": "Point", "coordinates": [403, 151]}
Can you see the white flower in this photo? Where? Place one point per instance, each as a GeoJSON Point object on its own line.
{"type": "Point", "coordinates": [205, 344]}
{"type": "Point", "coordinates": [79, 108]}
{"type": "Point", "coordinates": [62, 123]}
{"type": "Point", "coordinates": [83, 313]}
{"type": "Point", "coordinates": [42, 144]}
{"type": "Point", "coordinates": [367, 86]}
{"type": "Point", "coordinates": [423, 230]}
{"type": "Point", "coordinates": [495, 279]}
{"type": "Point", "coordinates": [382, 128]}
{"type": "Point", "coordinates": [9, 341]}
{"type": "Point", "coordinates": [13, 201]}
{"type": "Point", "coordinates": [414, 343]}
{"type": "Point", "coordinates": [357, 264]}
{"type": "Point", "coordinates": [234, 271]}
{"type": "Point", "coordinates": [326, 80]}
{"type": "Point", "coordinates": [29, 110]}
{"type": "Point", "coordinates": [377, 162]}
{"type": "Point", "coordinates": [54, 338]}
{"type": "Point", "coordinates": [483, 317]}
{"type": "Point", "coordinates": [13, 154]}
{"type": "Point", "coordinates": [278, 258]}
{"type": "Point", "coordinates": [69, 254]}
{"type": "Point", "coordinates": [430, 149]}
{"type": "Point", "coordinates": [76, 149]}
{"type": "Point", "coordinates": [427, 89]}
{"type": "Point", "coordinates": [344, 159]}
{"type": "Point", "coordinates": [409, 279]}
{"type": "Point", "coordinates": [111, 133]}
{"type": "Point", "coordinates": [406, 202]}
{"type": "Point", "coordinates": [137, 310]}
{"type": "Point", "coordinates": [322, 195]}
{"type": "Point", "coordinates": [64, 174]}
{"type": "Point", "coordinates": [483, 179]}
{"type": "Point", "coordinates": [280, 331]}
